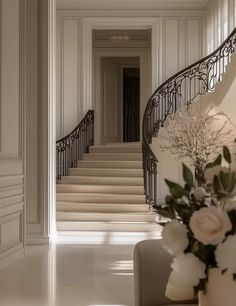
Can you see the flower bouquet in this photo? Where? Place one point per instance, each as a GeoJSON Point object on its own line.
{"type": "Point", "coordinates": [201, 233]}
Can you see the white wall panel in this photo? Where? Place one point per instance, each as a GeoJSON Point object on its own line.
{"type": "Point", "coordinates": [12, 185]}
{"type": "Point", "coordinates": [171, 46]}
{"type": "Point", "coordinates": [69, 86]}
{"type": "Point", "coordinates": [10, 104]}
{"type": "Point", "coordinates": [193, 40]}
{"type": "Point", "coordinates": [32, 108]}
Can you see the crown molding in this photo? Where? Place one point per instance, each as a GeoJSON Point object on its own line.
{"type": "Point", "coordinates": [130, 4]}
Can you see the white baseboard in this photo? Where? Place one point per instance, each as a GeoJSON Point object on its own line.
{"type": "Point", "coordinates": [34, 239]}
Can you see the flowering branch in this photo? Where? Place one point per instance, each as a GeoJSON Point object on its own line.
{"type": "Point", "coordinates": [197, 135]}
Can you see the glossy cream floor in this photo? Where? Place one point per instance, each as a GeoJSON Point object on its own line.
{"type": "Point", "coordinates": [79, 274]}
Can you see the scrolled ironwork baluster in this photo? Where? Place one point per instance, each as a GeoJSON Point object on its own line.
{"type": "Point", "coordinates": [179, 90]}
{"type": "Point", "coordinates": [71, 148]}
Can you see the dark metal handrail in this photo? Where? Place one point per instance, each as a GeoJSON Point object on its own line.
{"type": "Point", "coordinates": [71, 148]}
{"type": "Point", "coordinates": [179, 90]}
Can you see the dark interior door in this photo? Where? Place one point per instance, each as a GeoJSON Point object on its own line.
{"type": "Point", "coordinates": [131, 103]}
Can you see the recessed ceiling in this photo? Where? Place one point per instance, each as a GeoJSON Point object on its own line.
{"type": "Point", "coordinates": [140, 35]}
{"type": "Point", "coordinates": [131, 4]}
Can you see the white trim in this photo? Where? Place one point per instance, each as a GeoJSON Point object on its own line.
{"type": "Point", "coordinates": [131, 4]}
{"type": "Point", "coordinates": [37, 240]}
{"type": "Point", "coordinates": [50, 214]}
{"type": "Point", "coordinates": [91, 23]}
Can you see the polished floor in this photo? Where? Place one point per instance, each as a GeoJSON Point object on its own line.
{"type": "Point", "coordinates": [66, 274]}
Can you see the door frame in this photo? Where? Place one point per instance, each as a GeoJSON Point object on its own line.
{"type": "Point", "coordinates": [145, 81]}
{"type": "Point", "coordinates": [126, 23]}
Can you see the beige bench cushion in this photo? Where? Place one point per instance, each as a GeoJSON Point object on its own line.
{"type": "Point", "coordinates": [151, 273]}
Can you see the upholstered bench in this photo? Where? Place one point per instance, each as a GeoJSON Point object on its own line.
{"type": "Point", "coordinates": [151, 273]}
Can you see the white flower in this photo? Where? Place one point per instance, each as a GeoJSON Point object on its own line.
{"type": "Point", "coordinates": [174, 237]}
{"type": "Point", "coordinates": [225, 254]}
{"type": "Point", "coordinates": [199, 193]}
{"type": "Point", "coordinates": [190, 268]}
{"type": "Point", "coordinates": [209, 225]}
{"type": "Point", "coordinates": [177, 289]}
{"type": "Point", "coordinates": [209, 173]}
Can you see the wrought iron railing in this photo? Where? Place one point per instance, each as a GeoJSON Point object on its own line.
{"type": "Point", "coordinates": [71, 148]}
{"type": "Point", "coordinates": [179, 90]}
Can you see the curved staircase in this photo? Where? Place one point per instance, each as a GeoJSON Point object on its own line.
{"type": "Point", "coordinates": [105, 192]}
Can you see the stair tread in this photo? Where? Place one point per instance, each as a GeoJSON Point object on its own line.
{"type": "Point", "coordinates": [110, 169]}
{"type": "Point", "coordinates": [148, 213]}
{"type": "Point", "coordinates": [98, 194]}
{"type": "Point", "coordinates": [101, 177]}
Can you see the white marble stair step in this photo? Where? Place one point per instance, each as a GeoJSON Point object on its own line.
{"type": "Point", "coordinates": [109, 164]}
{"type": "Point", "coordinates": [105, 217]}
{"type": "Point", "coordinates": [126, 144]}
{"type": "Point", "coordinates": [107, 226]}
{"type": "Point", "coordinates": [106, 172]}
{"type": "Point", "coordinates": [101, 198]}
{"type": "Point", "coordinates": [100, 189]}
{"type": "Point", "coordinates": [113, 156]}
{"type": "Point", "coordinates": [101, 207]}
{"type": "Point", "coordinates": [94, 180]}
{"type": "Point", "coordinates": [115, 149]}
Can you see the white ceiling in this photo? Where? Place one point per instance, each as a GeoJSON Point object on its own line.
{"type": "Point", "coordinates": [131, 4]}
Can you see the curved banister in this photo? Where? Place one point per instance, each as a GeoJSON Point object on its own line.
{"type": "Point", "coordinates": [179, 90]}
{"type": "Point", "coordinates": [70, 148]}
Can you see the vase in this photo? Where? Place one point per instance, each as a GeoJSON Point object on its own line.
{"type": "Point", "coordinates": [220, 289]}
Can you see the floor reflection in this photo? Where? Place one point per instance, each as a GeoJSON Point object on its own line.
{"type": "Point", "coordinates": [94, 269]}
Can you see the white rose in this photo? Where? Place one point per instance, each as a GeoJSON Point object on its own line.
{"type": "Point", "coordinates": [209, 225]}
{"type": "Point", "coordinates": [225, 254]}
{"type": "Point", "coordinates": [190, 268]}
{"type": "Point", "coordinates": [174, 237]}
{"type": "Point", "coordinates": [177, 289]}
{"type": "Point", "coordinates": [199, 193]}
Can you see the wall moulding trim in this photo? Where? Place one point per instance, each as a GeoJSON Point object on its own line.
{"type": "Point", "coordinates": [130, 4]}
{"type": "Point", "coordinates": [15, 199]}
{"type": "Point", "coordinates": [11, 209]}
{"type": "Point", "coordinates": [18, 240]}
{"type": "Point", "coordinates": [91, 23]}
{"type": "Point", "coordinates": [16, 180]}
{"type": "Point", "coordinates": [11, 167]}
{"type": "Point", "coordinates": [36, 239]}
{"type": "Point", "coordinates": [11, 256]}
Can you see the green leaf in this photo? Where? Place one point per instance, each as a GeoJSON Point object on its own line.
{"type": "Point", "coordinates": [227, 155]}
{"type": "Point", "coordinates": [216, 184]}
{"type": "Point", "coordinates": [165, 212]}
{"type": "Point", "coordinates": [176, 190]}
{"type": "Point", "coordinates": [209, 165]}
{"type": "Point", "coordinates": [225, 179]}
{"type": "Point", "coordinates": [217, 161]}
{"type": "Point", "coordinates": [187, 175]}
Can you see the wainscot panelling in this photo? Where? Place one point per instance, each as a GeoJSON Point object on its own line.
{"type": "Point", "coordinates": [12, 98]}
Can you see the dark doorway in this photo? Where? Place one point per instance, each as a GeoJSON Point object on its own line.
{"type": "Point", "coordinates": [131, 102]}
